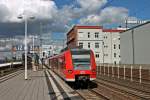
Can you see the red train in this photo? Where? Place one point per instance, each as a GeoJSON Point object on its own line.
{"type": "Point", "coordinates": [74, 64]}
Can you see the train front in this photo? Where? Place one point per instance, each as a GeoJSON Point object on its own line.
{"type": "Point", "coordinates": [83, 66]}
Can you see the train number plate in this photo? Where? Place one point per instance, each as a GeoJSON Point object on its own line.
{"type": "Point", "coordinates": [82, 72]}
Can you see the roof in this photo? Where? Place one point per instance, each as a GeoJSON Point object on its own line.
{"type": "Point", "coordinates": [94, 27]}
{"type": "Point", "coordinates": [112, 30]}
{"type": "Point", "coordinates": [84, 27]}
{"type": "Point", "coordinates": [136, 27]}
{"type": "Point", "coordinates": [88, 27]}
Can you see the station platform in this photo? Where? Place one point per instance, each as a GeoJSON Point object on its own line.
{"type": "Point", "coordinates": [39, 86]}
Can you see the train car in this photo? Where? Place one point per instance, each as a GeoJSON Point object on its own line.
{"type": "Point", "coordinates": [74, 65]}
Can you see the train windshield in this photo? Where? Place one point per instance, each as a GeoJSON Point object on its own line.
{"type": "Point", "coordinates": [81, 59]}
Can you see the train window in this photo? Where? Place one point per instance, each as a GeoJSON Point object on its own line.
{"type": "Point", "coordinates": [80, 52]}
{"type": "Point", "coordinates": [81, 59]}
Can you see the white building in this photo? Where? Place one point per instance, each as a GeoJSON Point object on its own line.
{"type": "Point", "coordinates": [87, 37]}
{"type": "Point", "coordinates": [105, 43]}
{"type": "Point", "coordinates": [91, 39]}
{"type": "Point", "coordinates": [111, 38]}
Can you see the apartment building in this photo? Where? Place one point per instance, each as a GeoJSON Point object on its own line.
{"type": "Point", "coordinates": [111, 38]}
{"type": "Point", "coordinates": [105, 43]}
{"type": "Point", "coordinates": [87, 37]}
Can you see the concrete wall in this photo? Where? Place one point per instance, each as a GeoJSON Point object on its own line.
{"type": "Point", "coordinates": [135, 45]}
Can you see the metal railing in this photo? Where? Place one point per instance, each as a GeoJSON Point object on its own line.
{"type": "Point", "coordinates": [125, 71]}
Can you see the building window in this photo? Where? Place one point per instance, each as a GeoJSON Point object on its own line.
{"type": "Point", "coordinates": [119, 46]}
{"type": "Point", "coordinates": [80, 44]}
{"type": "Point", "coordinates": [115, 55]}
{"type": "Point", "coordinates": [105, 46]}
{"type": "Point", "coordinates": [114, 46]}
{"type": "Point", "coordinates": [88, 34]}
{"type": "Point", "coordinates": [96, 45]}
{"type": "Point", "coordinates": [97, 55]}
{"type": "Point", "coordinates": [96, 35]}
{"type": "Point", "coordinates": [88, 45]}
{"type": "Point", "coordinates": [105, 54]}
{"type": "Point", "coordinates": [115, 62]}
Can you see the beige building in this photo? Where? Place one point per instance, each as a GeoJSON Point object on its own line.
{"type": "Point", "coordinates": [105, 43]}
{"type": "Point", "coordinates": [87, 37]}
{"type": "Point", "coordinates": [111, 38]}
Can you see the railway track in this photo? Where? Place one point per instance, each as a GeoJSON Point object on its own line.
{"type": "Point", "coordinates": [85, 94]}
{"type": "Point", "coordinates": [9, 76]}
{"type": "Point", "coordinates": [107, 90]}
{"type": "Point", "coordinates": [120, 90]}
{"type": "Point", "coordinates": [143, 86]}
{"type": "Point", "coordinates": [89, 94]}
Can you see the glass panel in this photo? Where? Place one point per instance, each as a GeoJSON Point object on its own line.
{"type": "Point", "coordinates": [81, 59]}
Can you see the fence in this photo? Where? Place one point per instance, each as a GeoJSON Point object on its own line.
{"type": "Point", "coordinates": [127, 72]}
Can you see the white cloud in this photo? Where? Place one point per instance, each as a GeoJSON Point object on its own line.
{"type": "Point", "coordinates": [58, 20]}
{"type": "Point", "coordinates": [91, 6]}
{"type": "Point", "coordinates": [91, 19]}
{"type": "Point", "coordinates": [107, 15]}
{"type": "Point", "coordinates": [113, 14]}
{"type": "Point", "coordinates": [10, 9]}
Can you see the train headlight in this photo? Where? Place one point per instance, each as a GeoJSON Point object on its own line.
{"type": "Point", "coordinates": [93, 70]}
{"type": "Point", "coordinates": [70, 71]}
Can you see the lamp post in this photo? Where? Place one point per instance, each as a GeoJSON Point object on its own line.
{"type": "Point", "coordinates": [33, 44]}
{"type": "Point", "coordinates": [26, 48]}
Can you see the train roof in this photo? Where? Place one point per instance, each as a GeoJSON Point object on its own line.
{"type": "Point", "coordinates": [72, 50]}
{"type": "Point", "coordinates": [79, 49]}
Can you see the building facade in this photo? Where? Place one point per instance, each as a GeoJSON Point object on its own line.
{"type": "Point", "coordinates": [105, 43]}
{"type": "Point", "coordinates": [135, 45]}
{"type": "Point", "coordinates": [111, 38]}
{"type": "Point", "coordinates": [87, 37]}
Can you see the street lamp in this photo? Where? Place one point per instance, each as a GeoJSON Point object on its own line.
{"type": "Point", "coordinates": [26, 48]}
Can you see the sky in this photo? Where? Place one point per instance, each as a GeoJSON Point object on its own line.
{"type": "Point", "coordinates": [58, 16]}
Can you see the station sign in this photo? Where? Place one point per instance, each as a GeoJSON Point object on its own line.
{"type": "Point", "coordinates": [22, 48]}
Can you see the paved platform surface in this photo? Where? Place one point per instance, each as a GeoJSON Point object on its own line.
{"type": "Point", "coordinates": [16, 88]}
{"type": "Point", "coordinates": [41, 85]}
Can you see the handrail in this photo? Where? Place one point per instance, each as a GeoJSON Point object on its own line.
{"type": "Point", "coordinates": [9, 64]}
